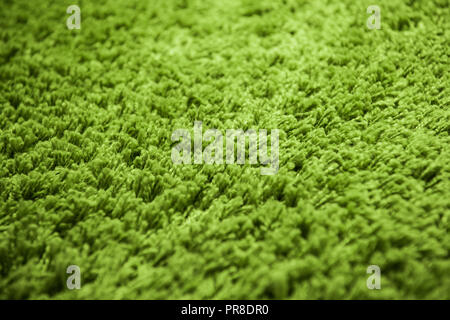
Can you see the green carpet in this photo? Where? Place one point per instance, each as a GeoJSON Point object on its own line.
{"type": "Point", "coordinates": [86, 176]}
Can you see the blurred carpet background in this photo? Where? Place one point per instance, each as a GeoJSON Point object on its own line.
{"type": "Point", "coordinates": [86, 176]}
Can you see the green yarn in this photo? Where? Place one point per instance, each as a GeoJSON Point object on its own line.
{"type": "Point", "coordinates": [86, 176]}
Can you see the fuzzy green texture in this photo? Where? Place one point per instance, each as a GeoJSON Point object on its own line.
{"type": "Point", "coordinates": [86, 176]}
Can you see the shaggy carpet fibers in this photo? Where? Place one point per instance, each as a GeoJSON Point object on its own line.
{"type": "Point", "coordinates": [86, 176]}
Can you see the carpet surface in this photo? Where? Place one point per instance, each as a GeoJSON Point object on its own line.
{"type": "Point", "coordinates": [86, 176]}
